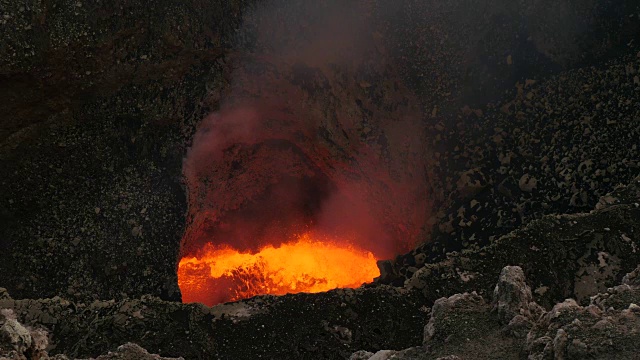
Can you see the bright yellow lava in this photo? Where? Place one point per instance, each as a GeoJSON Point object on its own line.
{"type": "Point", "coordinates": [303, 265]}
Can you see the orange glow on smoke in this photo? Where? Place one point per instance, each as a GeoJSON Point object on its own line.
{"type": "Point", "coordinates": [304, 265]}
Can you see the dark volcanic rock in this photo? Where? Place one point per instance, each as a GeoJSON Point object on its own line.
{"type": "Point", "coordinates": [512, 296]}
{"type": "Point", "coordinates": [561, 255]}
{"type": "Point", "coordinates": [130, 351]}
{"type": "Point", "coordinates": [468, 52]}
{"type": "Point", "coordinates": [101, 101]}
{"type": "Point", "coordinates": [464, 325]}
{"type": "Point", "coordinates": [445, 311]}
{"type": "Point", "coordinates": [552, 139]}
{"type": "Point", "coordinates": [98, 103]}
{"type": "Point", "coordinates": [305, 326]}
{"type": "Point", "coordinates": [531, 110]}
{"type": "Point", "coordinates": [560, 146]}
{"type": "Point", "coordinates": [18, 342]}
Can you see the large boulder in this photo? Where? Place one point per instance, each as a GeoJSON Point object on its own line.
{"type": "Point", "coordinates": [512, 296]}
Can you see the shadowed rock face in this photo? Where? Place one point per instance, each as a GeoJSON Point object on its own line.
{"type": "Point", "coordinates": [101, 103]}
{"type": "Point", "coordinates": [97, 105]}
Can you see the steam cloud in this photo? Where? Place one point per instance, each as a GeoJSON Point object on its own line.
{"type": "Point", "coordinates": [316, 132]}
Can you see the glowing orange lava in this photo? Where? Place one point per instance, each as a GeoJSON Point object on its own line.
{"type": "Point", "coordinates": [304, 265]}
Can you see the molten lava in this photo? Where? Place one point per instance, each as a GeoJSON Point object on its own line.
{"type": "Point", "coordinates": [307, 264]}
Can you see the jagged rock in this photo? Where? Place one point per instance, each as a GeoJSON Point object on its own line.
{"type": "Point", "coordinates": [605, 329]}
{"type": "Point", "coordinates": [131, 351]}
{"type": "Point", "coordinates": [383, 355]}
{"type": "Point", "coordinates": [18, 342]}
{"type": "Point", "coordinates": [13, 335]}
{"type": "Point", "coordinates": [361, 355]}
{"type": "Point", "coordinates": [632, 278]}
{"type": "Point", "coordinates": [559, 309]}
{"type": "Point", "coordinates": [513, 302]}
{"type": "Point", "coordinates": [564, 255]}
{"type": "Point", "coordinates": [39, 343]}
{"type": "Point", "coordinates": [560, 344]}
{"type": "Point", "coordinates": [518, 327]}
{"type": "Point", "coordinates": [527, 183]}
{"type": "Point", "coordinates": [387, 271]}
{"type": "Point", "coordinates": [512, 295]}
{"type": "Point", "coordinates": [415, 353]}
{"type": "Point", "coordinates": [577, 349]}
{"type": "Point", "coordinates": [470, 182]}
{"type": "Point", "coordinates": [4, 294]}
{"type": "Point", "coordinates": [618, 297]}
{"type": "Point", "coordinates": [445, 309]}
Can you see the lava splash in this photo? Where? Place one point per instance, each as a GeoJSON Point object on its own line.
{"type": "Point", "coordinates": [308, 264]}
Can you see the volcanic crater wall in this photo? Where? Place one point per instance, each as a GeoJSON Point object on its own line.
{"type": "Point", "coordinates": [97, 105]}
{"type": "Point", "coordinates": [316, 131]}
{"type": "Point", "coordinates": [101, 102]}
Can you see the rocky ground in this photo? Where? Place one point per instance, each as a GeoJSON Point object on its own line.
{"type": "Point", "coordinates": [304, 326]}
{"type": "Point", "coordinates": [531, 117]}
{"type": "Point", "coordinates": [557, 147]}
{"type": "Point", "coordinates": [461, 326]}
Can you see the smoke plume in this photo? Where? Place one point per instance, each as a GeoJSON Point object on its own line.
{"type": "Point", "coordinates": [316, 132]}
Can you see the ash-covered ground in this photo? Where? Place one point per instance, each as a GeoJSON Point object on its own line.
{"type": "Point", "coordinates": [522, 168]}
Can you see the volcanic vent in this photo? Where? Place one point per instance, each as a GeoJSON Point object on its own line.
{"type": "Point", "coordinates": [311, 169]}
{"type": "Point", "coordinates": [272, 236]}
